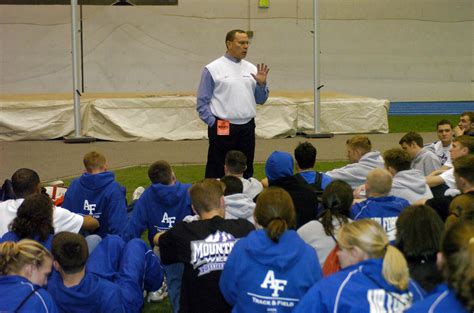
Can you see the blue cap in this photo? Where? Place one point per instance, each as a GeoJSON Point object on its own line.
{"type": "Point", "coordinates": [279, 164]}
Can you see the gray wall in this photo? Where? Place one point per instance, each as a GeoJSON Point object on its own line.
{"type": "Point", "coordinates": [393, 49]}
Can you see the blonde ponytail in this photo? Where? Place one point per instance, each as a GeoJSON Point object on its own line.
{"type": "Point", "coordinates": [370, 237]}
{"type": "Point", "coordinates": [395, 268]}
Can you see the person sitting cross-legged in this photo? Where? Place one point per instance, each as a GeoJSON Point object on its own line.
{"type": "Point", "coordinates": [270, 263]}
{"type": "Point", "coordinates": [455, 261]}
{"type": "Point", "coordinates": [26, 182]}
{"type": "Point", "coordinates": [24, 270]}
{"type": "Point", "coordinates": [407, 183]}
{"type": "Point", "coordinates": [235, 165]}
{"type": "Point", "coordinates": [203, 246]}
{"type": "Point", "coordinates": [158, 209]}
{"type": "Point", "coordinates": [34, 221]}
{"type": "Point", "coordinates": [96, 193]}
{"type": "Point", "coordinates": [237, 203]}
{"type": "Point", "coordinates": [362, 160]}
{"type": "Point", "coordinates": [424, 160]}
{"type": "Point", "coordinates": [441, 147]}
{"type": "Point", "coordinates": [305, 156]}
{"type": "Point", "coordinates": [279, 171]}
{"type": "Point", "coordinates": [111, 279]}
{"type": "Point", "coordinates": [374, 275]}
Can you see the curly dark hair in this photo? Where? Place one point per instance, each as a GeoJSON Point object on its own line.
{"type": "Point", "coordinates": [34, 218]}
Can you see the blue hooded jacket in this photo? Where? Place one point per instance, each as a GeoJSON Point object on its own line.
{"type": "Point", "coordinates": [358, 288]}
{"type": "Point", "coordinates": [158, 209]}
{"type": "Point", "coordinates": [441, 300]}
{"type": "Point", "coordinates": [14, 289]}
{"type": "Point", "coordinates": [384, 210]}
{"type": "Point", "coordinates": [100, 196]}
{"type": "Point", "coordinates": [261, 275]}
{"type": "Point", "coordinates": [93, 294]}
{"type": "Point", "coordinates": [116, 274]}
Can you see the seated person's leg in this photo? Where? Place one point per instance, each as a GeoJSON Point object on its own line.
{"type": "Point", "coordinates": [104, 261]}
{"type": "Point", "coordinates": [174, 274]}
{"type": "Point", "coordinates": [92, 242]}
{"type": "Point", "coordinates": [138, 267]}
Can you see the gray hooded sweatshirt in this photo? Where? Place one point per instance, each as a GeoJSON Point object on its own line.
{"type": "Point", "coordinates": [426, 161]}
{"type": "Point", "coordinates": [239, 205]}
{"type": "Point", "coordinates": [355, 174]}
{"type": "Point", "coordinates": [410, 185]}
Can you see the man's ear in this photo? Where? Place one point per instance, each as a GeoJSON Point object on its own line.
{"type": "Point", "coordinates": [194, 210]}
{"type": "Point", "coordinates": [440, 261]}
{"type": "Point", "coordinates": [222, 203]}
{"type": "Point", "coordinates": [56, 266]}
{"type": "Point", "coordinates": [391, 170]}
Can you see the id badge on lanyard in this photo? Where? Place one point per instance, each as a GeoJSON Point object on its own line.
{"type": "Point", "coordinates": [223, 128]}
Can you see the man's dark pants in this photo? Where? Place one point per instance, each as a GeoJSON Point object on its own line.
{"type": "Point", "coordinates": [241, 138]}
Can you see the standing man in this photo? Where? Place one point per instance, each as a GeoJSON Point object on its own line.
{"type": "Point", "coordinates": [227, 98]}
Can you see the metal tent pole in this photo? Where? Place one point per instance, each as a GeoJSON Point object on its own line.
{"type": "Point", "coordinates": [316, 78]}
{"type": "Point", "coordinates": [77, 137]}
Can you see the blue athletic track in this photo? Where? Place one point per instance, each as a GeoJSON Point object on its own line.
{"type": "Point", "coordinates": [430, 108]}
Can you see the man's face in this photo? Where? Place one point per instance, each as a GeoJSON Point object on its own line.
{"type": "Point", "coordinates": [239, 46]}
{"type": "Point", "coordinates": [353, 155]}
{"type": "Point", "coordinates": [445, 134]}
{"type": "Point", "coordinates": [465, 123]}
{"type": "Point", "coordinates": [457, 150]}
{"type": "Point", "coordinates": [411, 148]}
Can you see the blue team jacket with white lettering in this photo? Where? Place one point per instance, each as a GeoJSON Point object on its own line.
{"type": "Point", "coordinates": [263, 276]}
{"type": "Point", "coordinates": [385, 210]}
{"type": "Point", "coordinates": [358, 288]}
{"type": "Point", "coordinates": [102, 197]}
{"type": "Point", "coordinates": [441, 300]}
{"type": "Point", "coordinates": [14, 289]}
{"type": "Point", "coordinates": [158, 209]}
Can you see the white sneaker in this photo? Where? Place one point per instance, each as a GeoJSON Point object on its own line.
{"type": "Point", "coordinates": [137, 193]}
{"type": "Point", "coordinates": [159, 295]}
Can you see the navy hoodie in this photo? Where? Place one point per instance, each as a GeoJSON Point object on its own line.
{"type": "Point", "coordinates": [100, 196]}
{"type": "Point", "coordinates": [158, 209]}
{"type": "Point", "coordinates": [263, 276]}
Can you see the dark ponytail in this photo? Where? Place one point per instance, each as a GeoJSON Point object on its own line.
{"type": "Point", "coordinates": [337, 202]}
{"type": "Point", "coordinates": [275, 212]}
